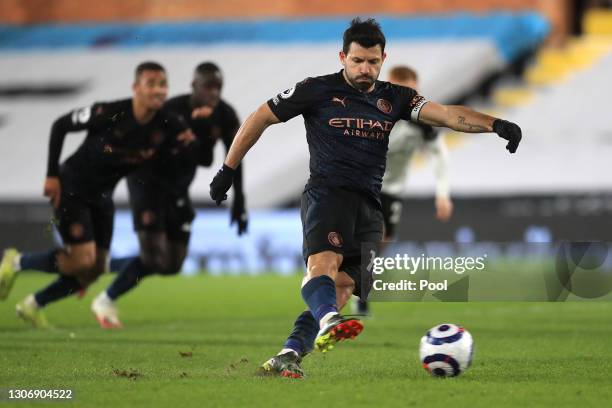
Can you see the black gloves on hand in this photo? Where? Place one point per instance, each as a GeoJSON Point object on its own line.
{"type": "Point", "coordinates": [221, 184]}
{"type": "Point", "coordinates": [239, 215]}
{"type": "Point", "coordinates": [509, 131]}
{"type": "Point", "coordinates": [219, 187]}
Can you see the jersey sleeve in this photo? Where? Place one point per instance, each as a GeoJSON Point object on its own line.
{"type": "Point", "coordinates": [79, 119]}
{"type": "Point", "coordinates": [412, 104]}
{"type": "Point", "coordinates": [89, 116]}
{"type": "Point", "coordinates": [294, 101]}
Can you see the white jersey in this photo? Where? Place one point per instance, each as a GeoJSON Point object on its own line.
{"type": "Point", "coordinates": [405, 139]}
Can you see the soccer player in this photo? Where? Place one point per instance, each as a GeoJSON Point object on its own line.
{"type": "Point", "coordinates": [405, 140]}
{"type": "Point", "coordinates": [121, 136]}
{"type": "Point", "coordinates": [159, 192]}
{"type": "Point", "coordinates": [348, 117]}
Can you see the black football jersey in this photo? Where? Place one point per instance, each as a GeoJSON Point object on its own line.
{"type": "Point", "coordinates": [347, 130]}
{"type": "Point", "coordinates": [176, 172]}
{"type": "Point", "coordinates": [116, 144]}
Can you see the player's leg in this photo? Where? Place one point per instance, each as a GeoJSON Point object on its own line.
{"type": "Point", "coordinates": [74, 264]}
{"type": "Point", "coordinates": [302, 338]}
{"type": "Point", "coordinates": [323, 232]}
{"type": "Point", "coordinates": [305, 328]}
{"type": "Point", "coordinates": [368, 229]}
{"type": "Point", "coordinates": [73, 216]}
{"type": "Point", "coordinates": [151, 260]}
{"type": "Point", "coordinates": [328, 221]}
{"type": "Point", "coordinates": [321, 300]}
{"type": "Point", "coordinates": [179, 218]}
{"type": "Point", "coordinates": [104, 214]}
{"type": "Point", "coordinates": [319, 285]}
{"type": "Point", "coordinates": [13, 262]}
{"type": "Point", "coordinates": [161, 251]}
{"type": "Point", "coordinates": [146, 201]}
{"type": "Point", "coordinates": [76, 260]}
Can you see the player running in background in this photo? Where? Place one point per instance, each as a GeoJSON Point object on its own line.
{"type": "Point", "coordinates": [405, 140]}
{"type": "Point", "coordinates": [121, 136]}
{"type": "Point", "coordinates": [348, 117]}
{"type": "Point", "coordinates": [159, 192]}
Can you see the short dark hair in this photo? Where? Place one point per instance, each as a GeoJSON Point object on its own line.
{"type": "Point", "coordinates": [148, 66]}
{"type": "Point", "coordinates": [365, 33]}
{"type": "Point", "coordinates": [210, 68]}
{"type": "Point", "coordinates": [403, 73]}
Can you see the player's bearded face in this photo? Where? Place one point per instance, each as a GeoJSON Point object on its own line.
{"type": "Point", "coordinates": [151, 89]}
{"type": "Point", "coordinates": [362, 65]}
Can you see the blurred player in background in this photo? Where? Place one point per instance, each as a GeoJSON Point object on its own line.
{"type": "Point", "coordinates": [121, 136]}
{"type": "Point", "coordinates": [348, 117]}
{"type": "Point", "coordinates": [406, 139]}
{"type": "Point", "coordinates": [159, 192]}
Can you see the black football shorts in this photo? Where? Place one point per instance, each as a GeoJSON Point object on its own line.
{"type": "Point", "coordinates": [340, 220]}
{"type": "Point", "coordinates": [154, 209]}
{"type": "Point", "coordinates": [84, 219]}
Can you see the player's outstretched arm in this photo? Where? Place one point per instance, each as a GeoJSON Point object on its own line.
{"type": "Point", "coordinates": [464, 119]}
{"type": "Point", "coordinates": [248, 134]}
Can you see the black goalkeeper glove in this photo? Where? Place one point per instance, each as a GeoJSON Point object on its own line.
{"type": "Point", "coordinates": [221, 184]}
{"type": "Point", "coordinates": [509, 131]}
{"type": "Point", "coordinates": [239, 215]}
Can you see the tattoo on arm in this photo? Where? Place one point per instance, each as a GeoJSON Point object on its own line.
{"type": "Point", "coordinates": [470, 127]}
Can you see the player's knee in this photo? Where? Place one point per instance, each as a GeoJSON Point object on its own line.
{"type": "Point", "coordinates": [86, 270]}
{"type": "Point", "coordinates": [324, 263]}
{"type": "Point", "coordinates": [85, 262]}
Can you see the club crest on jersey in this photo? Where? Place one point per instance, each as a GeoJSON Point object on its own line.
{"type": "Point", "coordinates": [335, 239]}
{"type": "Point", "coordinates": [287, 94]}
{"type": "Point", "coordinates": [384, 106]}
{"type": "Point", "coordinates": [341, 101]}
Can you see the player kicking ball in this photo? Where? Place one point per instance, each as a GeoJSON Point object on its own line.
{"type": "Point", "coordinates": [348, 117]}
{"type": "Point", "coordinates": [121, 136]}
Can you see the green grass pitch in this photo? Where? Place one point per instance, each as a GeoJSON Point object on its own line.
{"type": "Point", "coordinates": [527, 354]}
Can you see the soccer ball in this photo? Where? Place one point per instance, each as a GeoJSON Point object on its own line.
{"type": "Point", "coordinates": [446, 350]}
